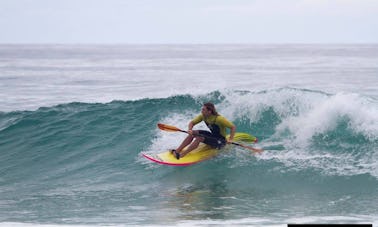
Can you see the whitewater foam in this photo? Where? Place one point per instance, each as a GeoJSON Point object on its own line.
{"type": "Point", "coordinates": [324, 115]}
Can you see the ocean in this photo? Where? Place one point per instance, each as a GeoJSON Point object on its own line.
{"type": "Point", "coordinates": [75, 119]}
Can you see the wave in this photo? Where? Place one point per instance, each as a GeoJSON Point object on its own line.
{"type": "Point", "coordinates": [302, 131]}
{"type": "Point", "coordinates": [81, 163]}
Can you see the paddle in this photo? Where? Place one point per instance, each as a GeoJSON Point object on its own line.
{"type": "Point", "coordinates": [170, 128]}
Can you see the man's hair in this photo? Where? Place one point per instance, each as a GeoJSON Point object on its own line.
{"type": "Point", "coordinates": [210, 106]}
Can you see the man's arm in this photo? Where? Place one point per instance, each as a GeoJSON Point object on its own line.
{"type": "Point", "coordinates": [232, 133]}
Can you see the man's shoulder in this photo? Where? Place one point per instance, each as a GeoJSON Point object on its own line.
{"type": "Point", "coordinates": [198, 118]}
{"type": "Point", "coordinates": [222, 119]}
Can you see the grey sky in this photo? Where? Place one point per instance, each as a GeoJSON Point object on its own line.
{"type": "Point", "coordinates": [190, 21]}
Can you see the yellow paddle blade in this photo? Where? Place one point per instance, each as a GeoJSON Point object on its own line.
{"type": "Point", "coordinates": [168, 128]}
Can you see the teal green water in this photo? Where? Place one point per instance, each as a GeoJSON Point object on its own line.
{"type": "Point", "coordinates": [80, 163]}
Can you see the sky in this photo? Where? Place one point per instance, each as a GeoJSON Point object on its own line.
{"type": "Point", "coordinates": [188, 21]}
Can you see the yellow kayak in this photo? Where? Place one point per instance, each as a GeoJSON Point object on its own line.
{"type": "Point", "coordinates": [201, 153]}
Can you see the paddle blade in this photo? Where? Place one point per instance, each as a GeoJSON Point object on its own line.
{"type": "Point", "coordinates": [168, 128]}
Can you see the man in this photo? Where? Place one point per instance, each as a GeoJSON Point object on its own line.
{"type": "Point", "coordinates": [216, 138]}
